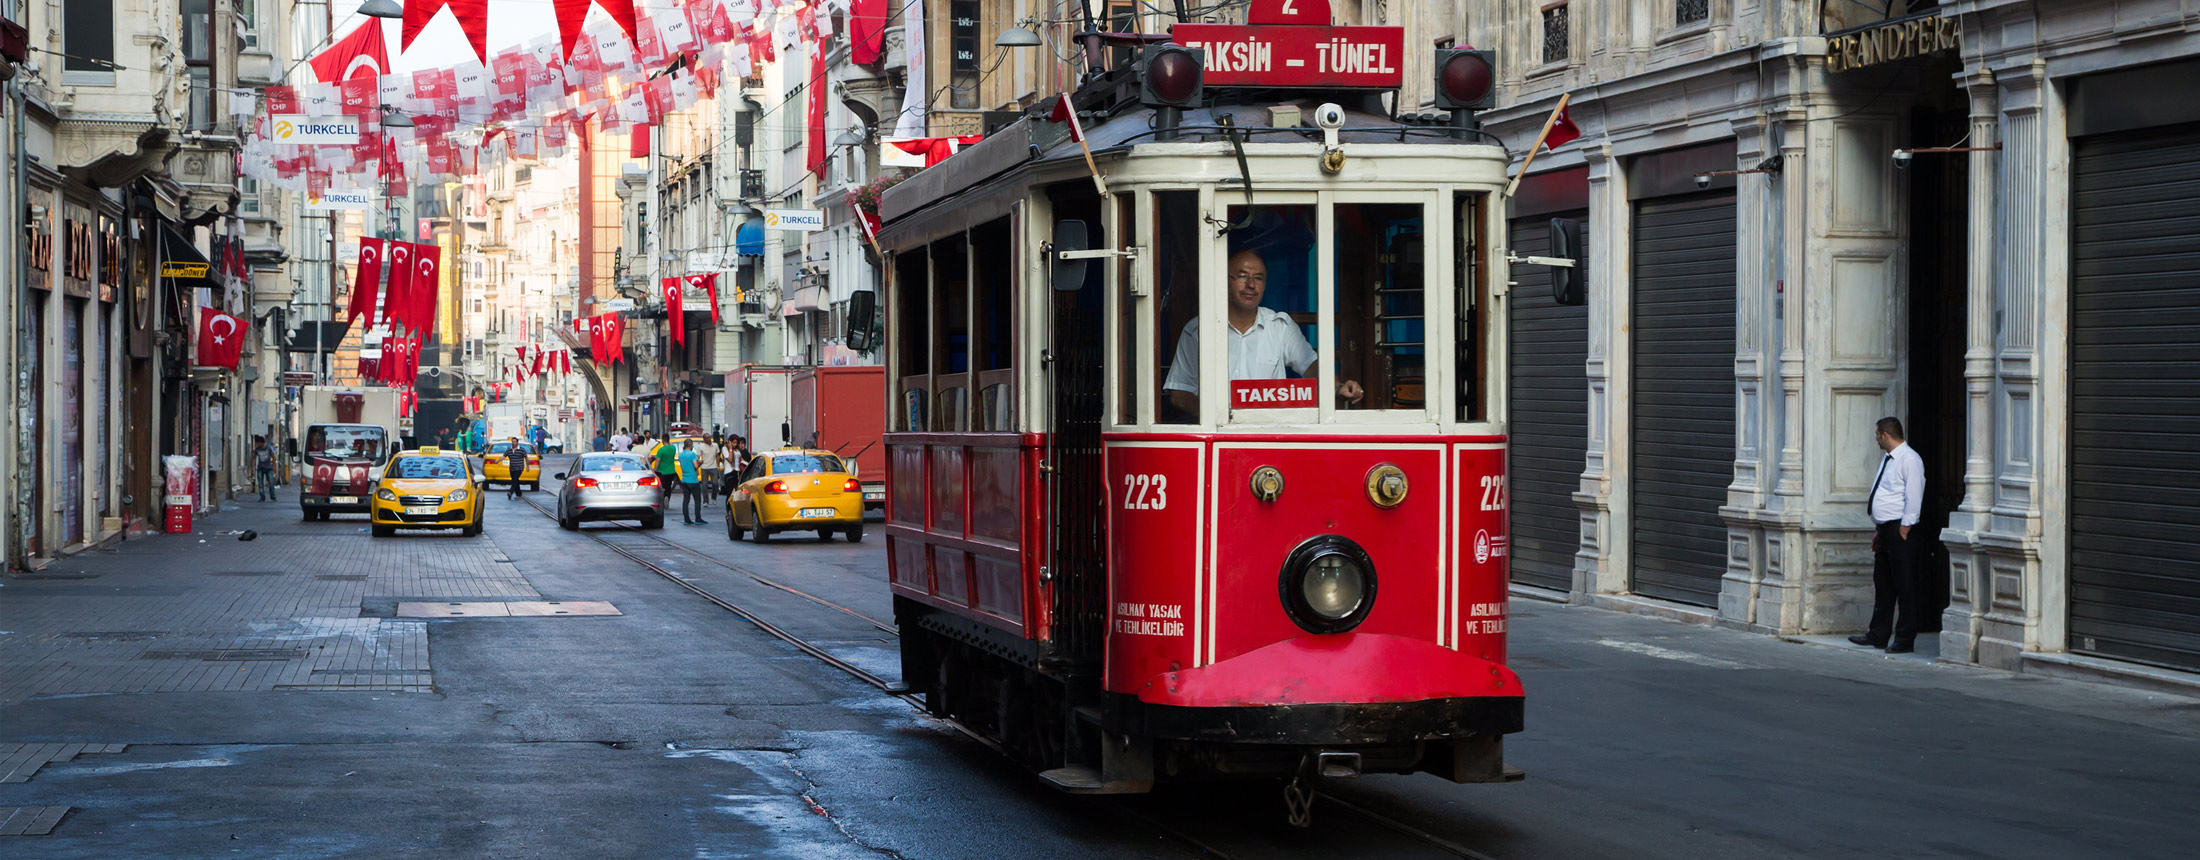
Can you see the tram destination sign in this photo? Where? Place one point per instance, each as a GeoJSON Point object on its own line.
{"type": "Point", "coordinates": [1284, 55]}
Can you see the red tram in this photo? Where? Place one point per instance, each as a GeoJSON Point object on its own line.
{"type": "Point", "coordinates": [1131, 560]}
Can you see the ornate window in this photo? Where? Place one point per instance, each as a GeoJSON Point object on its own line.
{"type": "Point", "coordinates": [1554, 34]}
{"type": "Point", "coordinates": [1691, 11]}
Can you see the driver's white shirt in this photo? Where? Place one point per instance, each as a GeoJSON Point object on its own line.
{"type": "Point", "coordinates": [1264, 351]}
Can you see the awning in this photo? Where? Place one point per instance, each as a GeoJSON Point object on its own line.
{"type": "Point", "coordinates": [181, 260]}
{"type": "Point", "coordinates": [329, 334]}
{"type": "Point", "coordinates": [748, 239]}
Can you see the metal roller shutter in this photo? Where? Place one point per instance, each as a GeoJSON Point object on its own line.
{"type": "Point", "coordinates": [2135, 397]}
{"type": "Point", "coordinates": [1683, 405]}
{"type": "Point", "coordinates": [1548, 415]}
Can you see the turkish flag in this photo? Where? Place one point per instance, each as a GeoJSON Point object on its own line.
{"type": "Point", "coordinates": [614, 337]}
{"type": "Point", "coordinates": [672, 291]}
{"type": "Point", "coordinates": [867, 31]}
{"type": "Point", "coordinates": [1563, 130]}
{"type": "Point", "coordinates": [707, 283]}
{"type": "Point", "coordinates": [426, 283]}
{"type": "Point", "coordinates": [221, 338]}
{"type": "Point", "coordinates": [397, 298]}
{"type": "Point", "coordinates": [595, 338]}
{"type": "Point", "coordinates": [1066, 112]}
{"type": "Point", "coordinates": [472, 16]}
{"type": "Point", "coordinates": [819, 155]}
{"type": "Point", "coordinates": [367, 282]}
{"type": "Point", "coordinates": [360, 54]}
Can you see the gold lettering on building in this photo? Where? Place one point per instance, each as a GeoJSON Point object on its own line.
{"type": "Point", "coordinates": [1898, 40]}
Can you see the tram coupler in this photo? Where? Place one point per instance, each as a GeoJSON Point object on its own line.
{"type": "Point", "coordinates": [1331, 764]}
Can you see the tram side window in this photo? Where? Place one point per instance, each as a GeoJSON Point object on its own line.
{"type": "Point", "coordinates": [1177, 237]}
{"type": "Point", "coordinates": [1382, 354]}
{"type": "Point", "coordinates": [1470, 363]}
{"type": "Point", "coordinates": [913, 334]}
{"type": "Point", "coordinates": [951, 360]}
{"type": "Point", "coordinates": [1126, 353]}
{"type": "Point", "coordinates": [993, 255]}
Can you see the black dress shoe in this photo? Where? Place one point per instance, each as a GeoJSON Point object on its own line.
{"type": "Point", "coordinates": [1901, 647]}
{"type": "Point", "coordinates": [1866, 641]}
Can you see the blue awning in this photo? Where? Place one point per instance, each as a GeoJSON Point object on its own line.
{"type": "Point", "coordinates": [748, 239]}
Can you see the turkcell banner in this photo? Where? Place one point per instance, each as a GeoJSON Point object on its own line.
{"type": "Point", "coordinates": [299, 128]}
{"type": "Point", "coordinates": [340, 198]}
{"type": "Point", "coordinates": [799, 220]}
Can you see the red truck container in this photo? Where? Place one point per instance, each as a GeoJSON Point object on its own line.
{"type": "Point", "coordinates": [843, 409]}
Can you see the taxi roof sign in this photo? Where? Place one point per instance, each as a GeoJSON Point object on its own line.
{"type": "Point", "coordinates": [429, 451]}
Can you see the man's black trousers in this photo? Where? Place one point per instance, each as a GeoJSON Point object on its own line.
{"type": "Point", "coordinates": [1894, 586]}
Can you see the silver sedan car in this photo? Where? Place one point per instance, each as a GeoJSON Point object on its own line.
{"type": "Point", "coordinates": [610, 487]}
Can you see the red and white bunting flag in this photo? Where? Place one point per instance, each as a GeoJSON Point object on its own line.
{"type": "Point", "coordinates": [472, 16]}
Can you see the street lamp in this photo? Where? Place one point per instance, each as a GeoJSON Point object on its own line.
{"type": "Point", "coordinates": [381, 9]}
{"type": "Point", "coordinates": [1018, 37]}
{"type": "Point", "coordinates": [394, 118]}
{"type": "Point", "coordinates": [851, 137]}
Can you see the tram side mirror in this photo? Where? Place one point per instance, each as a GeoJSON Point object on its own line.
{"type": "Point", "coordinates": [1569, 285]}
{"type": "Point", "coordinates": [862, 308]}
{"type": "Point", "coordinates": [1069, 235]}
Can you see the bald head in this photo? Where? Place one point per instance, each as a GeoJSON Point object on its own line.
{"type": "Point", "coordinates": [1248, 281]}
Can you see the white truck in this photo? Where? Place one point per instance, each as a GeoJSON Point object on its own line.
{"type": "Point", "coordinates": [344, 436]}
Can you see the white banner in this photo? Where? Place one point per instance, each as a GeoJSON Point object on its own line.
{"type": "Point", "coordinates": [915, 107]}
{"type": "Point", "coordinates": [300, 128]}
{"type": "Point", "coordinates": [340, 198]}
{"type": "Point", "coordinates": [797, 220]}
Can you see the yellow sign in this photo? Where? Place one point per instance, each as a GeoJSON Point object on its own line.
{"type": "Point", "coordinates": [1894, 40]}
{"type": "Point", "coordinates": [183, 270]}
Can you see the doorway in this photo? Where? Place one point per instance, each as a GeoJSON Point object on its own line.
{"type": "Point", "coordinates": [1939, 283]}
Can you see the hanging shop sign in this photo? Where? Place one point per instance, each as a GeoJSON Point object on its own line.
{"type": "Point", "coordinates": [340, 198]}
{"type": "Point", "coordinates": [1891, 41]}
{"type": "Point", "coordinates": [798, 220]}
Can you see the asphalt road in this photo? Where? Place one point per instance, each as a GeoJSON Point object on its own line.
{"type": "Point", "coordinates": [677, 730]}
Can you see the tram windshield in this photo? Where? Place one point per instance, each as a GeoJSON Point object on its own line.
{"type": "Point", "coordinates": [1322, 305]}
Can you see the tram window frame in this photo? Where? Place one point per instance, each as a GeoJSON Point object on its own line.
{"type": "Point", "coordinates": [1432, 214]}
{"type": "Point", "coordinates": [1473, 336]}
{"type": "Point", "coordinates": [1124, 305]}
{"type": "Point", "coordinates": [1215, 311]}
{"type": "Point", "coordinates": [993, 317]}
{"type": "Point", "coordinates": [912, 339]}
{"type": "Point", "coordinates": [950, 308]}
{"type": "Point", "coordinates": [1168, 205]}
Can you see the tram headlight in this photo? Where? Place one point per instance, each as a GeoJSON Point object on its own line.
{"type": "Point", "coordinates": [1328, 584]}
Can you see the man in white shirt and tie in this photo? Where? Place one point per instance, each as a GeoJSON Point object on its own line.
{"type": "Point", "coordinates": [1897, 500]}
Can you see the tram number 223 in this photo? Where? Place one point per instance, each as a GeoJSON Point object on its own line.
{"type": "Point", "coordinates": [1493, 492]}
{"type": "Point", "coordinates": [1145, 492]}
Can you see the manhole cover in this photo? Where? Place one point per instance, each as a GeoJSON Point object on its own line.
{"type": "Point", "coordinates": [341, 577]}
{"type": "Point", "coordinates": [246, 573]}
{"type": "Point", "coordinates": [111, 635]}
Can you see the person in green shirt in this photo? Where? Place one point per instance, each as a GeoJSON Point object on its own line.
{"type": "Point", "coordinates": [667, 461]}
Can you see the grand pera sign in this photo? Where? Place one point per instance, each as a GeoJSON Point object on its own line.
{"type": "Point", "coordinates": [1894, 40]}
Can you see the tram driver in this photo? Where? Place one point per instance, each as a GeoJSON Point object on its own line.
{"type": "Point", "coordinates": [1264, 342]}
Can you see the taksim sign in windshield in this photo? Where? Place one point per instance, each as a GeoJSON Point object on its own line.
{"type": "Point", "coordinates": [300, 128]}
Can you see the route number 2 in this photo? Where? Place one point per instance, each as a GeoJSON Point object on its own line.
{"type": "Point", "coordinates": [1145, 492]}
{"type": "Point", "coordinates": [1289, 7]}
{"type": "Point", "coordinates": [1493, 492]}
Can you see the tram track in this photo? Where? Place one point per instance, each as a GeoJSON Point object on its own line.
{"type": "Point", "coordinates": [1120, 806]}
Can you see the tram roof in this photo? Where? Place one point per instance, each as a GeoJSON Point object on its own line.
{"type": "Point", "coordinates": [1034, 144]}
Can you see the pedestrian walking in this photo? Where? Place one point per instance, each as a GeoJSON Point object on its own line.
{"type": "Point", "coordinates": [690, 464]}
{"type": "Point", "coordinates": [601, 443]}
{"type": "Point", "coordinates": [263, 467]}
{"type": "Point", "coordinates": [515, 462]}
{"type": "Point", "coordinates": [1897, 500]}
{"type": "Point", "coordinates": [622, 442]}
{"type": "Point", "coordinates": [667, 463]}
{"type": "Point", "coordinates": [706, 456]}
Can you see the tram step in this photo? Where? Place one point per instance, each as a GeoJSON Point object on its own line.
{"type": "Point", "coordinates": [1514, 774]}
{"type": "Point", "coordinates": [1082, 779]}
{"type": "Point", "coordinates": [1088, 713]}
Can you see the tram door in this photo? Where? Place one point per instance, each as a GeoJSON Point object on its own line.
{"type": "Point", "coordinates": [1079, 497]}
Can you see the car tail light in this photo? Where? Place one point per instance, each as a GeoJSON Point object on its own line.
{"type": "Point", "coordinates": [648, 481]}
{"type": "Point", "coordinates": [584, 483]}
{"type": "Point", "coordinates": [534, 461]}
{"type": "Point", "coordinates": [776, 487]}
{"type": "Point", "coordinates": [853, 486]}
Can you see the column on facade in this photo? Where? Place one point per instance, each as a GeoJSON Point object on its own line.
{"type": "Point", "coordinates": [1968, 588]}
{"type": "Point", "coordinates": [1600, 565]}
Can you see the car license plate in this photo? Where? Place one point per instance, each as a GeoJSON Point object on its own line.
{"type": "Point", "coordinates": [423, 510]}
{"type": "Point", "coordinates": [813, 513]}
{"type": "Point", "coordinates": [343, 500]}
{"type": "Point", "coordinates": [875, 496]}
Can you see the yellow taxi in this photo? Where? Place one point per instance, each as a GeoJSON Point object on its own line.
{"type": "Point", "coordinates": [795, 489]}
{"type": "Point", "coordinates": [503, 459]}
{"type": "Point", "coordinates": [428, 488]}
